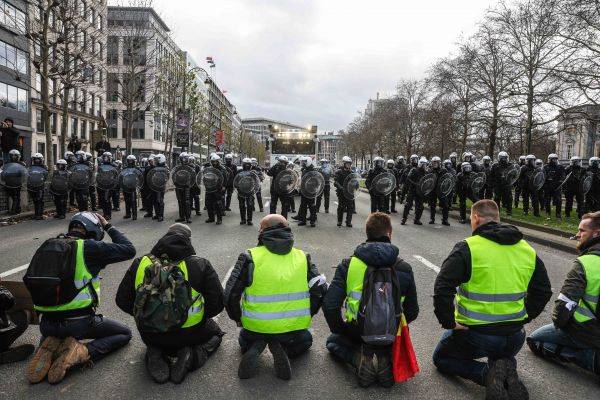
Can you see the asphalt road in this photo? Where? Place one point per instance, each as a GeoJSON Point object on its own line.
{"type": "Point", "coordinates": [316, 374]}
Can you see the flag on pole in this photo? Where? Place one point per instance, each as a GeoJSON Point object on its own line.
{"type": "Point", "coordinates": [404, 360]}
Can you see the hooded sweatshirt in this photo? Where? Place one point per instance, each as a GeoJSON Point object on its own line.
{"type": "Point", "coordinates": [377, 253]}
{"type": "Point", "coordinates": [278, 240]}
{"type": "Point", "coordinates": [456, 270]}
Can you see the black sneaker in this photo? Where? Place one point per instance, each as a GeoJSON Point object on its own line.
{"type": "Point", "coordinates": [385, 376]}
{"type": "Point", "coordinates": [312, 224]}
{"type": "Point", "coordinates": [403, 222]}
{"type": "Point", "coordinates": [494, 381]}
{"type": "Point", "coordinates": [295, 217]}
{"type": "Point", "coordinates": [445, 223]}
{"type": "Point", "coordinates": [365, 371]}
{"type": "Point", "coordinates": [242, 222]}
{"type": "Point", "coordinates": [156, 365]}
{"type": "Point", "coordinates": [339, 224]}
{"type": "Point", "coordinates": [209, 221]}
{"type": "Point", "coordinates": [514, 385]}
{"type": "Point", "coordinates": [249, 362]}
{"type": "Point", "coordinates": [348, 225]}
{"type": "Point", "coordinates": [249, 223]}
{"type": "Point", "coordinates": [417, 222]}
{"type": "Point", "coordinates": [281, 361]}
{"type": "Point", "coordinates": [302, 223]}
{"type": "Point", "coordinates": [219, 221]}
{"type": "Point", "coordinates": [147, 215]}
{"type": "Point", "coordinates": [17, 353]}
{"type": "Point", "coordinates": [183, 364]}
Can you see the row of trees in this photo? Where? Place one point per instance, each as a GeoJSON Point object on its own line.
{"type": "Point", "coordinates": [502, 89]}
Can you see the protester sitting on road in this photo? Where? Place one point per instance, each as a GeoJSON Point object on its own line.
{"type": "Point", "coordinates": [502, 285]}
{"type": "Point", "coordinates": [12, 325]}
{"type": "Point", "coordinates": [376, 257]}
{"type": "Point", "coordinates": [280, 289]}
{"type": "Point", "coordinates": [70, 316]}
{"type": "Point", "coordinates": [190, 335]}
{"type": "Point", "coordinates": [575, 334]}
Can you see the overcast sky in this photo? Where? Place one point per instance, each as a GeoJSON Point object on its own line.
{"type": "Point", "coordinates": [317, 61]}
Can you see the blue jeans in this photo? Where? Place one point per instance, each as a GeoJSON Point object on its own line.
{"type": "Point", "coordinates": [556, 343]}
{"type": "Point", "coordinates": [457, 351]}
{"type": "Point", "coordinates": [294, 343]}
{"type": "Point", "coordinates": [107, 335]}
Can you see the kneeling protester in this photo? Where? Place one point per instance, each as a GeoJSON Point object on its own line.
{"type": "Point", "coordinates": [173, 296]}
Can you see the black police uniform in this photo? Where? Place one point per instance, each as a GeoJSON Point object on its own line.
{"type": "Point", "coordinates": [326, 192]}
{"type": "Point", "coordinates": [555, 175]}
{"type": "Point", "coordinates": [131, 201]}
{"type": "Point", "coordinates": [575, 174]}
{"type": "Point", "coordinates": [104, 197]}
{"type": "Point", "coordinates": [284, 199]}
{"type": "Point", "coordinates": [82, 195]}
{"type": "Point", "coordinates": [73, 192]}
{"type": "Point", "coordinates": [232, 171]}
{"type": "Point", "coordinates": [435, 198]}
{"type": "Point", "coordinates": [487, 192]}
{"type": "Point", "coordinates": [307, 204]}
{"type": "Point", "coordinates": [246, 203]}
{"type": "Point", "coordinates": [527, 191]}
{"type": "Point", "coordinates": [405, 184]}
{"type": "Point", "coordinates": [502, 190]}
{"type": "Point", "coordinates": [344, 205]}
{"type": "Point", "coordinates": [261, 177]}
{"type": "Point", "coordinates": [13, 195]}
{"type": "Point", "coordinates": [413, 195]}
{"type": "Point", "coordinates": [37, 195]}
{"type": "Point", "coordinates": [93, 200]}
{"type": "Point", "coordinates": [397, 196]}
{"type": "Point", "coordinates": [195, 193]}
{"type": "Point", "coordinates": [592, 198]}
{"type": "Point", "coordinates": [378, 203]}
{"type": "Point", "coordinates": [214, 200]}
{"type": "Point", "coordinates": [518, 187]}
{"type": "Point", "coordinates": [464, 192]}
{"type": "Point", "coordinates": [158, 202]}
{"type": "Point", "coordinates": [115, 194]}
{"type": "Point", "coordinates": [60, 201]}
{"type": "Point", "coordinates": [391, 203]}
{"type": "Point", "coordinates": [182, 193]}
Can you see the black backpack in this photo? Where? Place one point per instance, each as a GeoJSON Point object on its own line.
{"type": "Point", "coordinates": [380, 306]}
{"type": "Point", "coordinates": [50, 276]}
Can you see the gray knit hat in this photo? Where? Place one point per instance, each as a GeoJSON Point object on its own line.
{"type": "Point", "coordinates": [180, 229]}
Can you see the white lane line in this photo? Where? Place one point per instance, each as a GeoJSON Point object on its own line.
{"type": "Point", "coordinates": [336, 203]}
{"type": "Point", "coordinates": [223, 282]}
{"type": "Point", "coordinates": [427, 263]}
{"type": "Point", "coordinates": [13, 271]}
{"type": "Point", "coordinates": [267, 204]}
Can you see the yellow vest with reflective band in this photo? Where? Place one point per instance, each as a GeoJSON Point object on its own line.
{"type": "Point", "coordinates": [196, 310]}
{"type": "Point", "coordinates": [500, 275]}
{"type": "Point", "coordinates": [84, 298]}
{"type": "Point", "coordinates": [278, 300]}
{"type": "Point", "coordinates": [591, 266]}
{"type": "Point", "coordinates": [354, 287]}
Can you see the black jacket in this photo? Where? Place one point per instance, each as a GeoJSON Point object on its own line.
{"type": "Point", "coordinates": [201, 276]}
{"type": "Point", "coordinates": [9, 139]}
{"type": "Point", "coordinates": [273, 172]}
{"type": "Point", "coordinates": [74, 145]}
{"type": "Point", "coordinates": [278, 241]}
{"type": "Point", "coordinates": [102, 146]}
{"type": "Point", "coordinates": [456, 270]}
{"type": "Point", "coordinates": [379, 253]}
{"type": "Point", "coordinates": [574, 287]}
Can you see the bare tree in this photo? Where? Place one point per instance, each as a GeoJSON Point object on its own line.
{"type": "Point", "coordinates": [411, 98]}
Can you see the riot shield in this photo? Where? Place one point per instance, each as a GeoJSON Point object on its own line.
{"type": "Point", "coordinates": [183, 176]}
{"type": "Point", "coordinates": [59, 184]}
{"type": "Point", "coordinates": [312, 184]}
{"type": "Point", "coordinates": [131, 179]}
{"type": "Point", "coordinates": [537, 179]}
{"type": "Point", "coordinates": [327, 173]}
{"type": "Point", "coordinates": [427, 184]}
{"type": "Point", "coordinates": [157, 179]}
{"type": "Point", "coordinates": [586, 183]}
{"type": "Point", "coordinates": [246, 183]}
{"type": "Point", "coordinates": [351, 185]}
{"type": "Point", "coordinates": [79, 177]}
{"type": "Point", "coordinates": [383, 184]}
{"type": "Point", "coordinates": [107, 177]}
{"type": "Point", "coordinates": [13, 175]}
{"type": "Point", "coordinates": [511, 175]}
{"type": "Point", "coordinates": [286, 181]}
{"type": "Point", "coordinates": [476, 184]}
{"type": "Point", "coordinates": [36, 178]}
{"type": "Point", "coordinates": [213, 179]}
{"type": "Point", "coordinates": [445, 185]}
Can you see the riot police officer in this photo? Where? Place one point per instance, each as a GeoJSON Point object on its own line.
{"type": "Point", "coordinates": [502, 187]}
{"type": "Point", "coordinates": [575, 173]}
{"type": "Point", "coordinates": [60, 200]}
{"type": "Point", "coordinates": [345, 205]}
{"type": "Point", "coordinates": [527, 190]}
{"type": "Point", "coordinates": [378, 202]}
{"type": "Point", "coordinates": [70, 158]}
{"type": "Point", "coordinates": [104, 195]}
{"type": "Point", "coordinates": [81, 195]}
{"type": "Point", "coordinates": [487, 192]}
{"type": "Point", "coordinates": [518, 187]}
{"type": "Point", "coordinates": [290, 199]}
{"type": "Point", "coordinates": [147, 193]}
{"type": "Point", "coordinates": [92, 190]}
{"type": "Point", "coordinates": [183, 194]}
{"type": "Point", "coordinates": [231, 172]}
{"type": "Point", "coordinates": [400, 172]}
{"type": "Point", "coordinates": [37, 195]}
{"type": "Point", "coordinates": [391, 198]}
{"type": "Point", "coordinates": [115, 194]}
{"type": "Point", "coordinates": [539, 165]}
{"type": "Point", "coordinates": [414, 196]}
{"type": "Point", "coordinates": [307, 204]}
{"type": "Point", "coordinates": [453, 157]}
{"type": "Point", "coordinates": [470, 158]}
{"type": "Point", "coordinates": [281, 165]}
{"type": "Point", "coordinates": [261, 177]}
{"type": "Point", "coordinates": [435, 196]}
{"type": "Point", "coordinates": [414, 162]}
{"type": "Point", "coordinates": [13, 195]}
{"type": "Point", "coordinates": [246, 202]}
{"type": "Point", "coordinates": [158, 197]}
{"type": "Point", "coordinates": [131, 197]}
{"type": "Point", "coordinates": [195, 189]}
{"type": "Point", "coordinates": [592, 197]}
{"type": "Point", "coordinates": [555, 175]}
{"type": "Point", "coordinates": [326, 172]}
{"type": "Point", "coordinates": [214, 200]}
{"type": "Point", "coordinates": [463, 189]}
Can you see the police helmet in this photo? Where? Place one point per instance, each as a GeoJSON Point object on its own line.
{"type": "Point", "coordinates": [466, 167]}
{"type": "Point", "coordinates": [160, 159]}
{"type": "Point", "coordinates": [90, 223]}
{"type": "Point", "coordinates": [283, 159]}
{"type": "Point", "coordinates": [422, 162]}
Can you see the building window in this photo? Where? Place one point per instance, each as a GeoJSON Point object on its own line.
{"type": "Point", "coordinates": [84, 129]}
{"type": "Point", "coordinates": [112, 50]}
{"type": "Point", "coordinates": [111, 122]}
{"type": "Point", "coordinates": [74, 126]}
{"type": "Point", "coordinates": [12, 17]}
{"type": "Point", "coordinates": [112, 87]}
{"type": "Point", "coordinates": [569, 151]}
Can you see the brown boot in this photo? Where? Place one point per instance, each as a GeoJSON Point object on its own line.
{"type": "Point", "coordinates": [70, 353]}
{"type": "Point", "coordinates": [42, 359]}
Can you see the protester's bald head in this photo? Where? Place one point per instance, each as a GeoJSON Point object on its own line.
{"type": "Point", "coordinates": [273, 220]}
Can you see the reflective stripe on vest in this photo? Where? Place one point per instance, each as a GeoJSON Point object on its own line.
{"type": "Point", "coordinates": [196, 310]}
{"type": "Point", "coordinates": [84, 299]}
{"type": "Point", "coordinates": [591, 266]}
{"type": "Point", "coordinates": [278, 300]}
{"type": "Point", "coordinates": [496, 291]}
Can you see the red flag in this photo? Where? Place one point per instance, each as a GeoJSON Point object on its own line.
{"type": "Point", "coordinates": [404, 360]}
{"type": "Point", "coordinates": [219, 137]}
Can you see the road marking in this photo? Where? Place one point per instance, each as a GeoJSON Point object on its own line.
{"type": "Point", "coordinates": [223, 283]}
{"type": "Point", "coordinates": [428, 263]}
{"type": "Point", "coordinates": [13, 271]}
{"type": "Point", "coordinates": [267, 204]}
{"type": "Point", "coordinates": [336, 203]}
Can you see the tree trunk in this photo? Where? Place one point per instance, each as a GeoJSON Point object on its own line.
{"type": "Point", "coordinates": [45, 96]}
{"type": "Point", "coordinates": [493, 129]}
{"type": "Point", "coordinates": [529, 126]}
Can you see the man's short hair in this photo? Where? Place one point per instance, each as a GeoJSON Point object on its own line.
{"type": "Point", "coordinates": [594, 218]}
{"type": "Point", "coordinates": [9, 120]}
{"type": "Point", "coordinates": [378, 225]}
{"type": "Point", "coordinates": [487, 209]}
